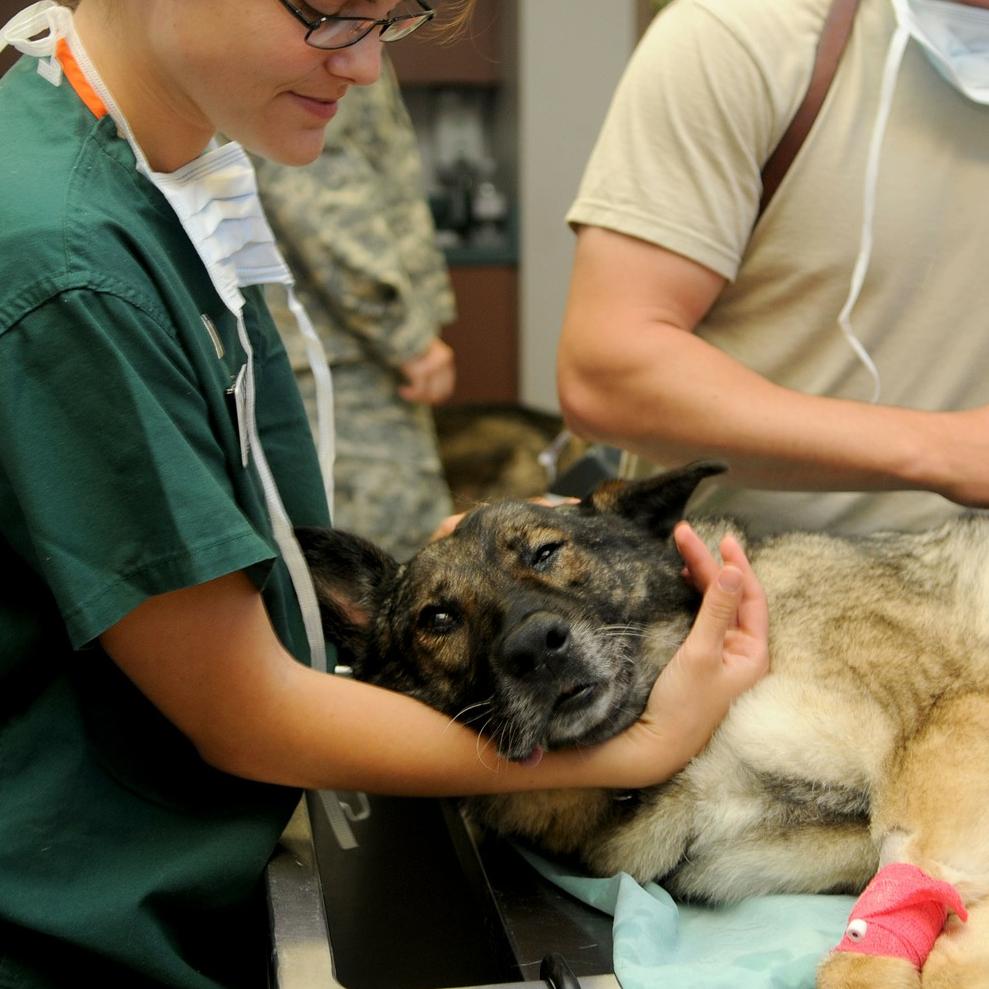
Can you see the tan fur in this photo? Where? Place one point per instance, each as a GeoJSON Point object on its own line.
{"type": "Point", "coordinates": [864, 972]}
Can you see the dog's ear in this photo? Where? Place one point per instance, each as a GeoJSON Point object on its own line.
{"type": "Point", "coordinates": [656, 503]}
{"type": "Point", "coordinates": [350, 575]}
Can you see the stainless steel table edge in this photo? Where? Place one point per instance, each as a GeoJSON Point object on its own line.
{"type": "Point", "coordinates": [302, 955]}
{"type": "Point", "coordinates": [300, 942]}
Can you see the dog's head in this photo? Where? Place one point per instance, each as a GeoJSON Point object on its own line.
{"type": "Point", "coordinates": [540, 627]}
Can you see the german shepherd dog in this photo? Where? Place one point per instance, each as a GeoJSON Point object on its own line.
{"type": "Point", "coordinates": [868, 742]}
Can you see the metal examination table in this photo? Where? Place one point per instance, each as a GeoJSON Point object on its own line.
{"type": "Point", "coordinates": [416, 903]}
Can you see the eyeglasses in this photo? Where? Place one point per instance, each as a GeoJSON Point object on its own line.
{"type": "Point", "coordinates": [333, 31]}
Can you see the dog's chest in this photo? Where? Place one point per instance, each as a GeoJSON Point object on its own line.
{"type": "Point", "coordinates": [790, 750]}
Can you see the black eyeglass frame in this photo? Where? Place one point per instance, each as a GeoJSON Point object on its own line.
{"type": "Point", "coordinates": [383, 23]}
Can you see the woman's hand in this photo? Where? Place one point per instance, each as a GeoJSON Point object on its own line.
{"type": "Point", "coordinates": [731, 634]}
{"type": "Point", "coordinates": [725, 653]}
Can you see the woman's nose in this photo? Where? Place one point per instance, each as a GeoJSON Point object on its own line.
{"type": "Point", "coordinates": [360, 63]}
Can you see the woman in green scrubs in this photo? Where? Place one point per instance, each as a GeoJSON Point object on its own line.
{"type": "Point", "coordinates": [157, 713]}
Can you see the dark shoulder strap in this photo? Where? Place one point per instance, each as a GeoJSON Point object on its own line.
{"type": "Point", "coordinates": [834, 37]}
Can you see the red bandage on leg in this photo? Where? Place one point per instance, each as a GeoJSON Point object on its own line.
{"type": "Point", "coordinates": [900, 914]}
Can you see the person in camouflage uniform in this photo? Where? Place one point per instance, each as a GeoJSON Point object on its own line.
{"type": "Point", "coordinates": [356, 231]}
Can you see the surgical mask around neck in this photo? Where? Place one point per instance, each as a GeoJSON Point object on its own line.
{"type": "Point", "coordinates": [955, 39]}
{"type": "Point", "coordinates": [215, 198]}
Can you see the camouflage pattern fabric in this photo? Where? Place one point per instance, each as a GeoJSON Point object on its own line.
{"type": "Point", "coordinates": [356, 230]}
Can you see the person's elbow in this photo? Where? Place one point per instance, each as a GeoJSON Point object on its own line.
{"type": "Point", "coordinates": [588, 396]}
{"type": "Point", "coordinates": [228, 755]}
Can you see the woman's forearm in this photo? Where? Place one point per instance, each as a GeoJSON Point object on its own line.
{"type": "Point", "coordinates": [208, 658]}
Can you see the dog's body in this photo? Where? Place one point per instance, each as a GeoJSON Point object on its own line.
{"type": "Point", "coordinates": [868, 740]}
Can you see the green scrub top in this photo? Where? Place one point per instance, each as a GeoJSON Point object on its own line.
{"type": "Point", "coordinates": [124, 858]}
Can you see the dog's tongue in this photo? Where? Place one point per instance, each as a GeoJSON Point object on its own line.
{"type": "Point", "coordinates": [534, 757]}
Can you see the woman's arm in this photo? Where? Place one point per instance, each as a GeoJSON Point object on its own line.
{"type": "Point", "coordinates": [209, 659]}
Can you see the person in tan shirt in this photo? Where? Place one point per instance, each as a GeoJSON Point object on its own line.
{"type": "Point", "coordinates": [694, 329]}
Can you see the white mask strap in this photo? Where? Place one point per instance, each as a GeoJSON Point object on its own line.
{"type": "Point", "coordinates": [316, 357]}
{"type": "Point", "coordinates": [894, 56]}
{"type": "Point", "coordinates": [48, 19]}
{"type": "Point", "coordinates": [281, 526]}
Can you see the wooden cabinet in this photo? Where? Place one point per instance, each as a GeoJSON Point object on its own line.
{"type": "Point", "coordinates": [485, 335]}
{"type": "Point", "coordinates": [476, 61]}
{"type": "Point", "coordinates": [473, 57]}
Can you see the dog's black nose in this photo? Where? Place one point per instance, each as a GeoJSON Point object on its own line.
{"type": "Point", "coordinates": [539, 644]}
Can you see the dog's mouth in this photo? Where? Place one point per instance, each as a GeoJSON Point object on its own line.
{"type": "Point", "coordinates": [571, 700]}
{"type": "Point", "coordinates": [575, 712]}
{"type": "Point", "coordinates": [573, 697]}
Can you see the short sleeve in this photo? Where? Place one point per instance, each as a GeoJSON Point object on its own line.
{"type": "Point", "coordinates": [116, 460]}
{"type": "Point", "coordinates": [704, 99]}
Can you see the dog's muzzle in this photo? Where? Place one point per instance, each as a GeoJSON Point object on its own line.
{"type": "Point", "coordinates": [538, 648]}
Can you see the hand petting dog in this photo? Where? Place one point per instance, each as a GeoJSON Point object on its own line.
{"type": "Point", "coordinates": [725, 653]}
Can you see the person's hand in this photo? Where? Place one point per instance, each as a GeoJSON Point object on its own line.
{"type": "Point", "coordinates": [731, 633]}
{"type": "Point", "coordinates": [430, 376]}
{"type": "Point", "coordinates": [446, 527]}
{"type": "Point", "coordinates": [725, 653]}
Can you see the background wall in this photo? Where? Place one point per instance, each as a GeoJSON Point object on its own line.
{"type": "Point", "coordinates": [571, 54]}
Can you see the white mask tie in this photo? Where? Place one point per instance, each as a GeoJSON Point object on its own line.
{"type": "Point", "coordinates": [894, 57]}
{"type": "Point", "coordinates": [21, 30]}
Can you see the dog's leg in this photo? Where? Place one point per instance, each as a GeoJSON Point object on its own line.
{"type": "Point", "coordinates": [653, 841]}
{"type": "Point", "coordinates": [837, 858]}
{"type": "Point", "coordinates": [931, 813]}
{"type": "Point", "coordinates": [867, 972]}
{"type": "Point", "coordinates": [960, 959]}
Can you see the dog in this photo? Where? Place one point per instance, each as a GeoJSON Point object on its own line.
{"type": "Point", "coordinates": [867, 743]}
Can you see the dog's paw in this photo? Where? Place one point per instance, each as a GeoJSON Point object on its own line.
{"type": "Point", "coordinates": [960, 959]}
{"type": "Point", "coordinates": [845, 970]}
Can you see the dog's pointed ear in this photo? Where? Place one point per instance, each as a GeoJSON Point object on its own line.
{"type": "Point", "coordinates": [656, 503]}
{"type": "Point", "coordinates": [350, 575]}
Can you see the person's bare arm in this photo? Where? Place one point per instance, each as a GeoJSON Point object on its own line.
{"type": "Point", "coordinates": [631, 372]}
{"type": "Point", "coordinates": [209, 659]}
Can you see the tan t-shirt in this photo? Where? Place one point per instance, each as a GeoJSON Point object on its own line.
{"type": "Point", "coordinates": [703, 102]}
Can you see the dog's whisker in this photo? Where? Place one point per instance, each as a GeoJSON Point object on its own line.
{"type": "Point", "coordinates": [475, 718]}
{"type": "Point", "coordinates": [636, 629]}
{"type": "Point", "coordinates": [459, 716]}
{"type": "Point", "coordinates": [485, 740]}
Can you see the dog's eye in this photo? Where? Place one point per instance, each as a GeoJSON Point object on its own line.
{"type": "Point", "coordinates": [438, 619]}
{"type": "Point", "coordinates": [543, 555]}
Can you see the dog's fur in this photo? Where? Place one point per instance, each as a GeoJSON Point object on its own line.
{"type": "Point", "coordinates": [869, 739]}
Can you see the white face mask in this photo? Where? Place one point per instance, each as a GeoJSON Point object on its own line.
{"type": "Point", "coordinates": [215, 198]}
{"type": "Point", "coordinates": [955, 38]}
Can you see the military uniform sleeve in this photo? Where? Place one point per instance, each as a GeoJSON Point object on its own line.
{"type": "Point", "coordinates": [116, 467]}
{"type": "Point", "coordinates": [358, 235]}
{"type": "Point", "coordinates": [392, 146]}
